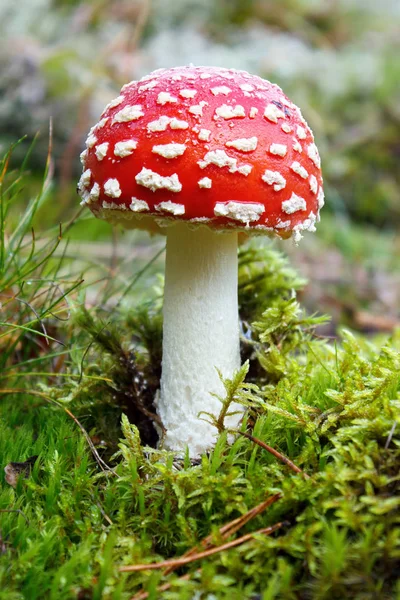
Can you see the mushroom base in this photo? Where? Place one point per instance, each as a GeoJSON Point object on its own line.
{"type": "Point", "coordinates": [200, 334]}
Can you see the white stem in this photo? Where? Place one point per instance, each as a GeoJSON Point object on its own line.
{"type": "Point", "coordinates": [201, 333]}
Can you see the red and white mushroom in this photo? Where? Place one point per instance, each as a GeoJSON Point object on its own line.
{"type": "Point", "coordinates": [201, 153]}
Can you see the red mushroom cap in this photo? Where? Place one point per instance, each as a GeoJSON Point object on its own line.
{"type": "Point", "coordinates": [205, 145]}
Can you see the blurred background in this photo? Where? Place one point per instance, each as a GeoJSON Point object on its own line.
{"type": "Point", "coordinates": [337, 59]}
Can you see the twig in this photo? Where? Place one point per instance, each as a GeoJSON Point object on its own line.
{"type": "Point", "coordinates": [272, 451]}
{"type": "Point", "coordinates": [103, 512]}
{"type": "Point", "coordinates": [390, 436]}
{"type": "Point", "coordinates": [26, 303]}
{"type": "Point", "coordinates": [178, 562]}
{"type": "Point", "coordinates": [225, 532]}
{"type": "Point", "coordinates": [232, 527]}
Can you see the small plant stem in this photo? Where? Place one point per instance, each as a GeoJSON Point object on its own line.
{"type": "Point", "coordinates": [232, 527]}
{"type": "Point", "coordinates": [225, 531]}
{"type": "Point", "coordinates": [272, 451]}
{"type": "Point", "coordinates": [178, 562]}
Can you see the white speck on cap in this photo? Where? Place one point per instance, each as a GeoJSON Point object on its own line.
{"type": "Point", "coordinates": [253, 112]}
{"type": "Point", "coordinates": [205, 76]}
{"type": "Point", "coordinates": [197, 109]}
{"type": "Point", "coordinates": [85, 197]}
{"type": "Point", "coordinates": [126, 148]}
{"type": "Point", "coordinates": [159, 124]}
{"type": "Point", "coordinates": [101, 151]}
{"type": "Point", "coordinates": [321, 198]}
{"type": "Point", "coordinates": [221, 89]}
{"type": "Point", "coordinates": [301, 133]}
{"type": "Point", "coordinates": [91, 140]}
{"type": "Point", "coordinates": [169, 150]}
{"type": "Point", "coordinates": [137, 205]}
{"type": "Point", "coordinates": [154, 181]}
{"type": "Point", "coordinates": [294, 204]}
{"type": "Point", "coordinates": [274, 178]}
{"type": "Point", "coordinates": [244, 169]}
{"type": "Point", "coordinates": [312, 152]}
{"type": "Point", "coordinates": [112, 189]}
{"type": "Point", "coordinates": [297, 146]}
{"type": "Point", "coordinates": [218, 158]}
{"type": "Point", "coordinates": [178, 124]}
{"type": "Point", "coordinates": [278, 149]}
{"type": "Point", "coordinates": [84, 180]}
{"type": "Point", "coordinates": [313, 184]}
{"type": "Point", "coordinates": [128, 113]}
{"type": "Point", "coordinates": [83, 156]}
{"type": "Point", "coordinates": [273, 113]}
{"type": "Point", "coordinates": [205, 183]}
{"type": "Point", "coordinates": [246, 87]}
{"type": "Point", "coordinates": [286, 128]}
{"type": "Point", "coordinates": [171, 207]}
{"type": "Point", "coordinates": [102, 122]}
{"type": "Point", "coordinates": [243, 144]}
{"type": "Point", "coordinates": [116, 102]}
{"type": "Point", "coordinates": [94, 192]}
{"type": "Point", "coordinates": [148, 86]}
{"type": "Point", "coordinates": [204, 135]}
{"type": "Point", "coordinates": [307, 225]}
{"type": "Point", "coordinates": [162, 123]}
{"type": "Point", "coordinates": [229, 112]}
{"type": "Point", "coordinates": [128, 85]}
{"type": "Point", "coordinates": [245, 212]}
{"type": "Point", "coordinates": [188, 93]}
{"type": "Point", "coordinates": [165, 97]}
{"type": "Point", "coordinates": [299, 170]}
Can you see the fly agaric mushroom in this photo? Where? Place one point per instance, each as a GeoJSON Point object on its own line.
{"type": "Point", "coordinates": [200, 154]}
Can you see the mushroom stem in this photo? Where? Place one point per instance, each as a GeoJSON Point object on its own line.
{"type": "Point", "coordinates": [200, 335]}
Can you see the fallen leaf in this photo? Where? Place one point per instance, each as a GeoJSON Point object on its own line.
{"type": "Point", "coordinates": [14, 470]}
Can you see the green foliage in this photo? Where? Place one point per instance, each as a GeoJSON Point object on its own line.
{"type": "Point", "coordinates": [335, 420]}
{"type": "Point", "coordinates": [265, 277]}
{"type": "Point", "coordinates": [274, 326]}
{"type": "Point", "coordinates": [282, 333]}
{"type": "Point", "coordinates": [33, 291]}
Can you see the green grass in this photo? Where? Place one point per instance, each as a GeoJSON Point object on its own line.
{"type": "Point", "coordinates": [100, 496]}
